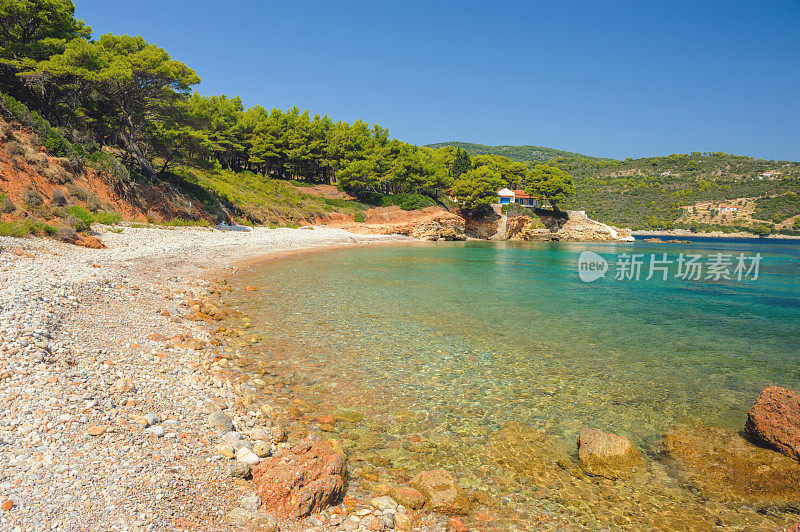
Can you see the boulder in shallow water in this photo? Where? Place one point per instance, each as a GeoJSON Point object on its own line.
{"type": "Point", "coordinates": [307, 478]}
{"type": "Point", "coordinates": [441, 491]}
{"type": "Point", "coordinates": [606, 455]}
{"type": "Point", "coordinates": [725, 466]}
{"type": "Point", "coordinates": [526, 451]}
{"type": "Point", "coordinates": [408, 497]}
{"type": "Point", "coordinates": [774, 421]}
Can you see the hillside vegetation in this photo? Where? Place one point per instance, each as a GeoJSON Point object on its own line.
{"type": "Point", "coordinates": [659, 192]}
{"type": "Point", "coordinates": [122, 113]}
{"type": "Point", "coordinates": [515, 153]}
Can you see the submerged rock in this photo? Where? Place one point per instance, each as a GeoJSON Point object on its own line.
{"type": "Point", "coordinates": [441, 491]}
{"type": "Point", "coordinates": [526, 451]}
{"type": "Point", "coordinates": [306, 479]}
{"type": "Point", "coordinates": [725, 466]}
{"type": "Point", "coordinates": [408, 497]}
{"type": "Point", "coordinates": [774, 421]}
{"type": "Point", "coordinates": [606, 455]}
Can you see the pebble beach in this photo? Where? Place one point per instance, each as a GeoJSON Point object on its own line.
{"type": "Point", "coordinates": [107, 389]}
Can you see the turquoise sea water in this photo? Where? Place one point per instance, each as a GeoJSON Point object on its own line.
{"type": "Point", "coordinates": [467, 337]}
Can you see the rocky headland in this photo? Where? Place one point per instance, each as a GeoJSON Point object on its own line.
{"type": "Point", "coordinates": [437, 224]}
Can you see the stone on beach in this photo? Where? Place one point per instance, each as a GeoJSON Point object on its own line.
{"type": "Point", "coordinates": [308, 478]}
{"type": "Point", "coordinates": [606, 455]}
{"type": "Point", "coordinates": [383, 503]}
{"type": "Point", "coordinates": [774, 421]}
{"type": "Point", "coordinates": [254, 521]}
{"type": "Point", "coordinates": [239, 469]}
{"type": "Point", "coordinates": [261, 448]}
{"type": "Point", "coordinates": [247, 456]}
{"type": "Point", "coordinates": [441, 491]}
{"type": "Point", "coordinates": [220, 422]}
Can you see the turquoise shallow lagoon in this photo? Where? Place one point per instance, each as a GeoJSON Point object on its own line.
{"type": "Point", "coordinates": [467, 337]}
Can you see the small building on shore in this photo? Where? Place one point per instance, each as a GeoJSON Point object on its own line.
{"type": "Point", "coordinates": [506, 196]}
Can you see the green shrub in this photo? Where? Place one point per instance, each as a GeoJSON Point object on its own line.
{"type": "Point", "coordinates": [515, 209]}
{"type": "Point", "coordinates": [405, 201]}
{"type": "Point", "coordinates": [82, 214]}
{"type": "Point", "coordinates": [32, 198]}
{"type": "Point", "coordinates": [57, 175]}
{"type": "Point", "coordinates": [359, 217]}
{"type": "Point", "coordinates": [66, 234]}
{"type": "Point", "coordinates": [76, 223]}
{"type": "Point", "coordinates": [105, 162]}
{"type": "Point", "coordinates": [7, 132]}
{"type": "Point", "coordinates": [15, 148]}
{"type": "Point", "coordinates": [39, 160]}
{"type": "Point", "coordinates": [7, 206]}
{"type": "Point", "coordinates": [185, 222]}
{"type": "Point", "coordinates": [92, 203]}
{"type": "Point", "coordinates": [77, 192]}
{"type": "Point", "coordinates": [25, 227]}
{"type": "Point", "coordinates": [106, 218]}
{"type": "Point", "coordinates": [58, 199]}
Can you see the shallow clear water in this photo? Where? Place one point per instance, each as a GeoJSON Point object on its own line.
{"type": "Point", "coordinates": [452, 341]}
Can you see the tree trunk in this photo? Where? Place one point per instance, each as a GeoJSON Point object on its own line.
{"type": "Point", "coordinates": [134, 152]}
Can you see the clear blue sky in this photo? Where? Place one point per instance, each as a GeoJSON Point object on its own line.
{"type": "Point", "coordinates": [607, 78]}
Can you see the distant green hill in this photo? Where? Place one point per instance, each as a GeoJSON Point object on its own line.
{"type": "Point", "coordinates": [649, 192]}
{"type": "Point", "coordinates": [515, 153]}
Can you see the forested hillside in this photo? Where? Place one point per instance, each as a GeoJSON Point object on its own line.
{"type": "Point", "coordinates": [662, 192]}
{"type": "Point", "coordinates": [515, 153]}
{"type": "Point", "coordinates": [121, 106]}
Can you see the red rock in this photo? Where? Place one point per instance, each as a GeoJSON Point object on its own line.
{"type": "Point", "coordinates": [8, 505]}
{"type": "Point", "coordinates": [327, 420]}
{"type": "Point", "coordinates": [157, 337]}
{"type": "Point", "coordinates": [306, 479]}
{"type": "Point", "coordinates": [774, 420]}
{"type": "Point", "coordinates": [455, 524]}
{"type": "Point", "coordinates": [373, 523]}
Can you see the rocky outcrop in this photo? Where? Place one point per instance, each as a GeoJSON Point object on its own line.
{"type": "Point", "coordinates": [606, 455]}
{"type": "Point", "coordinates": [431, 223]}
{"type": "Point", "coordinates": [574, 226]}
{"type": "Point", "coordinates": [442, 493]}
{"type": "Point", "coordinates": [774, 421]}
{"type": "Point", "coordinates": [725, 466]}
{"type": "Point", "coordinates": [305, 479]}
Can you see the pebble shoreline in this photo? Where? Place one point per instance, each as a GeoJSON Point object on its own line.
{"type": "Point", "coordinates": [105, 415]}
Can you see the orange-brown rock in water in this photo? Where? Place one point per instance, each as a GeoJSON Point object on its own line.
{"type": "Point", "coordinates": [774, 421]}
{"type": "Point", "coordinates": [305, 479]}
{"type": "Point", "coordinates": [606, 455]}
{"type": "Point", "coordinates": [441, 491]}
{"type": "Point", "coordinates": [725, 466]}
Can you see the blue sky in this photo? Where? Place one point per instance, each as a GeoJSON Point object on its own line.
{"type": "Point", "coordinates": [606, 78]}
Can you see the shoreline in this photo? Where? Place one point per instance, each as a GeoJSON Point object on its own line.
{"type": "Point", "coordinates": [711, 234]}
{"type": "Point", "coordinates": [112, 362]}
{"type": "Point", "coordinates": [107, 375]}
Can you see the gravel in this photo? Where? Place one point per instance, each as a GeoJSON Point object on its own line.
{"type": "Point", "coordinates": [104, 425]}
